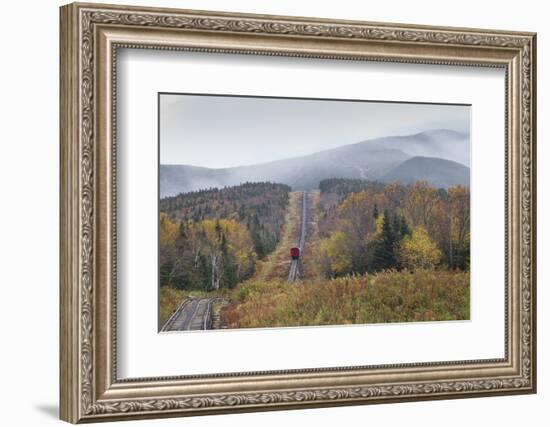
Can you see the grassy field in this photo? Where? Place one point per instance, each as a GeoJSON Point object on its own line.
{"type": "Point", "coordinates": [380, 298]}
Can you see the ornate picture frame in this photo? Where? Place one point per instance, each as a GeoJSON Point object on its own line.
{"type": "Point", "coordinates": [90, 37]}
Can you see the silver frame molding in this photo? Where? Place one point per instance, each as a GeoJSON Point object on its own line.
{"type": "Point", "coordinates": [90, 37]}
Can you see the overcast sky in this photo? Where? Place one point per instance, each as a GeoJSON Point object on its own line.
{"type": "Point", "coordinates": [218, 131]}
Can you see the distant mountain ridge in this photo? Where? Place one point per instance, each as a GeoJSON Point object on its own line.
{"type": "Point", "coordinates": [439, 173]}
{"type": "Point", "coordinates": [440, 143]}
{"type": "Point", "coordinates": [382, 159]}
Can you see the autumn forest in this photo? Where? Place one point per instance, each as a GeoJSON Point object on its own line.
{"type": "Point", "coordinates": [375, 252]}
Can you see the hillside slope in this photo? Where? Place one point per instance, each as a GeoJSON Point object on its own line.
{"type": "Point", "coordinates": [259, 206]}
{"type": "Point", "coordinates": [438, 173]}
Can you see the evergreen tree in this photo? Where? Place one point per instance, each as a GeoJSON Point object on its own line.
{"type": "Point", "coordinates": [203, 271]}
{"type": "Point", "coordinates": [218, 230]}
{"type": "Point", "coordinates": [164, 272]}
{"type": "Point", "coordinates": [405, 229]}
{"type": "Point", "coordinates": [400, 227]}
{"type": "Point", "coordinates": [384, 247]}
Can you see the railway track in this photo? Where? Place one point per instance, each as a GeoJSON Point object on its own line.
{"type": "Point", "coordinates": [294, 270]}
{"type": "Point", "coordinates": [193, 314]}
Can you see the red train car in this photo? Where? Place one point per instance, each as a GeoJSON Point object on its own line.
{"type": "Point", "coordinates": [295, 253]}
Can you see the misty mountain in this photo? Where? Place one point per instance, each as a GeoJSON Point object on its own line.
{"type": "Point", "coordinates": [439, 173]}
{"type": "Point", "coordinates": [441, 143]}
{"type": "Point", "coordinates": [301, 173]}
{"type": "Point", "coordinates": [374, 159]}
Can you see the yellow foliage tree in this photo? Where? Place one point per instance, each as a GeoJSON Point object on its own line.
{"type": "Point", "coordinates": [420, 203]}
{"type": "Point", "coordinates": [459, 198]}
{"type": "Point", "coordinates": [378, 224]}
{"type": "Point", "coordinates": [418, 251]}
{"type": "Point", "coordinates": [339, 253]}
{"type": "Point", "coordinates": [239, 245]}
{"type": "Point", "coordinates": [355, 214]}
{"type": "Point", "coordinates": [168, 230]}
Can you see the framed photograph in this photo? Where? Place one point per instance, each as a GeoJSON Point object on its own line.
{"type": "Point", "coordinates": [266, 212]}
